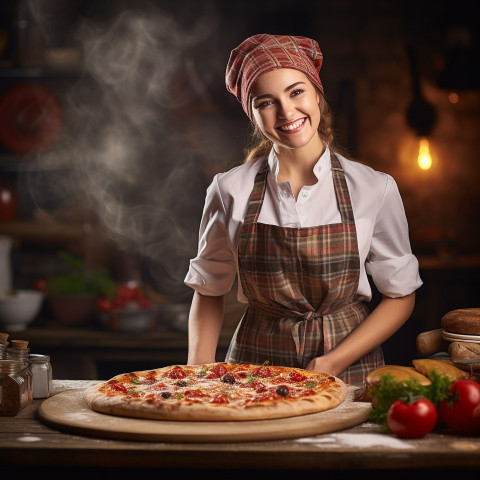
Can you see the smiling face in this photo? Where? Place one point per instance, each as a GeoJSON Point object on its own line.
{"type": "Point", "coordinates": [285, 108]}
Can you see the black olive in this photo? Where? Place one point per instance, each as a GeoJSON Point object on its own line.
{"type": "Point", "coordinates": [283, 391]}
{"type": "Point", "coordinates": [228, 378]}
{"type": "Point", "coordinates": [181, 383]}
{"type": "Point", "coordinates": [166, 394]}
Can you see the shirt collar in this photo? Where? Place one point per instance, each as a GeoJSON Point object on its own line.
{"type": "Point", "coordinates": [320, 167]}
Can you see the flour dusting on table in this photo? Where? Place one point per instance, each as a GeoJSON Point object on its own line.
{"type": "Point", "coordinates": [364, 440]}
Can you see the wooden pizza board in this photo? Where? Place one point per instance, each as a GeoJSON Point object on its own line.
{"type": "Point", "coordinates": [67, 411]}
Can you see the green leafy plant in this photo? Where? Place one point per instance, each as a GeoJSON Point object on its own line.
{"type": "Point", "coordinates": [80, 280]}
{"type": "Point", "coordinates": [389, 390]}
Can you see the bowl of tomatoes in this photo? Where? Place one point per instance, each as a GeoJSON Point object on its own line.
{"type": "Point", "coordinates": [130, 310]}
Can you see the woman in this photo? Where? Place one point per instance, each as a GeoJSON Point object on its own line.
{"type": "Point", "coordinates": [302, 226]}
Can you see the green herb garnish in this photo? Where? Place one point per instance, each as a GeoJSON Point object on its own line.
{"type": "Point", "coordinates": [179, 396]}
{"type": "Point", "coordinates": [135, 381]}
{"type": "Point", "coordinates": [311, 384]}
{"type": "Point", "coordinates": [390, 390]}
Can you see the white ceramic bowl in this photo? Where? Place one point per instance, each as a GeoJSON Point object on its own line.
{"type": "Point", "coordinates": [135, 321]}
{"type": "Point", "coordinates": [19, 309]}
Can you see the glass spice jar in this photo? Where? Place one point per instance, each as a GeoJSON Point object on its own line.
{"type": "Point", "coordinates": [16, 386]}
{"type": "Point", "coordinates": [42, 375]}
{"type": "Point", "coordinates": [18, 350]}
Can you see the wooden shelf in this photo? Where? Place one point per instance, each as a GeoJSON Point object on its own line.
{"type": "Point", "coordinates": [44, 233]}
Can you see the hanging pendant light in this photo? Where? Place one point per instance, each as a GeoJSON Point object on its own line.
{"type": "Point", "coordinates": [420, 114]}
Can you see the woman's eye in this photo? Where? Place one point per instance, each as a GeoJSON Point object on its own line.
{"type": "Point", "coordinates": [297, 92]}
{"type": "Point", "coordinates": [264, 104]}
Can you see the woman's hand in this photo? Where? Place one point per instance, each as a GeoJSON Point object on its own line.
{"type": "Point", "coordinates": [323, 365]}
{"type": "Point", "coordinates": [381, 324]}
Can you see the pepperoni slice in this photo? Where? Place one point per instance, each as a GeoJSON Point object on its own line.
{"type": "Point", "coordinates": [296, 377]}
{"type": "Point", "coordinates": [259, 387]}
{"type": "Point", "coordinates": [196, 393]}
{"type": "Point", "coordinates": [219, 370]}
{"type": "Point", "coordinates": [220, 398]}
{"type": "Point", "coordinates": [116, 386]}
{"type": "Point", "coordinates": [263, 372]}
{"type": "Point", "coordinates": [177, 373]}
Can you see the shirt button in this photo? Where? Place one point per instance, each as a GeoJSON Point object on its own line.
{"type": "Point", "coordinates": [304, 194]}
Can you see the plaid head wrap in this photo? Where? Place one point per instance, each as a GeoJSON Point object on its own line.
{"type": "Point", "coordinates": [262, 53]}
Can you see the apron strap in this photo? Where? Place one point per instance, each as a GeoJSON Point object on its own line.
{"type": "Point", "coordinates": [258, 194]}
{"type": "Point", "coordinates": [341, 191]}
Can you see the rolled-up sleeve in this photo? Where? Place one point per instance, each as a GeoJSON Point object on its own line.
{"type": "Point", "coordinates": [213, 270]}
{"type": "Point", "coordinates": [390, 262]}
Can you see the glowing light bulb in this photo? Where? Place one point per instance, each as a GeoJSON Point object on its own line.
{"type": "Point", "coordinates": [453, 97]}
{"type": "Point", "coordinates": [424, 157]}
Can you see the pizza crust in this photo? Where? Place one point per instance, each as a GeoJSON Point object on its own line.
{"type": "Point", "coordinates": [331, 395]}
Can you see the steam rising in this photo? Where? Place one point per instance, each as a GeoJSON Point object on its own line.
{"type": "Point", "coordinates": [126, 153]}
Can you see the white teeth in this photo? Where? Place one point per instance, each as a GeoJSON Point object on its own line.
{"type": "Point", "coordinates": [293, 126]}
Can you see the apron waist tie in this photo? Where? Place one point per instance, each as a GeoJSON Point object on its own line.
{"type": "Point", "coordinates": [307, 329]}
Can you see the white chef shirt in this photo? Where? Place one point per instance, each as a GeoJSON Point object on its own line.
{"type": "Point", "coordinates": [381, 224]}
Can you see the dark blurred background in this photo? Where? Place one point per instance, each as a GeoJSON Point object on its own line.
{"type": "Point", "coordinates": [114, 118]}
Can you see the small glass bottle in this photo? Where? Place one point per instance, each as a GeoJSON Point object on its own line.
{"type": "Point", "coordinates": [16, 386]}
{"type": "Point", "coordinates": [42, 375]}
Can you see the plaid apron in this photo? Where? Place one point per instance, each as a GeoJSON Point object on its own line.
{"type": "Point", "coordinates": [301, 285]}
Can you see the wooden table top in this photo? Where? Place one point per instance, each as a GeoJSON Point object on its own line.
{"type": "Point", "coordinates": [28, 443]}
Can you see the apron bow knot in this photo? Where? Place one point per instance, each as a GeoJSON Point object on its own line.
{"type": "Point", "coordinates": [311, 316]}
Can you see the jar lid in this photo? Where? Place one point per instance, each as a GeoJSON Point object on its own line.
{"type": "Point", "coordinates": [36, 358]}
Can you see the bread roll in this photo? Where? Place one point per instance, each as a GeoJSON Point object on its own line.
{"type": "Point", "coordinates": [431, 342]}
{"type": "Point", "coordinates": [425, 366]}
{"type": "Point", "coordinates": [463, 320]}
{"type": "Point", "coordinates": [398, 372]}
{"type": "Point", "coordinates": [464, 351]}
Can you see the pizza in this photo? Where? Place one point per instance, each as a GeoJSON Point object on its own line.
{"type": "Point", "coordinates": [217, 392]}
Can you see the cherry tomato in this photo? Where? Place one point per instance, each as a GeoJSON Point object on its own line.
{"type": "Point", "coordinates": [460, 412]}
{"type": "Point", "coordinates": [412, 420]}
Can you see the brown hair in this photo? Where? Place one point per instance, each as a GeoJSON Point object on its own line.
{"type": "Point", "coordinates": [260, 146]}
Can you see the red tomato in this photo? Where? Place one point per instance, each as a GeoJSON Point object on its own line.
{"type": "Point", "coordinates": [145, 303]}
{"type": "Point", "coordinates": [127, 292]}
{"type": "Point", "coordinates": [460, 411]}
{"type": "Point", "coordinates": [104, 305]}
{"type": "Point", "coordinates": [412, 420]}
{"type": "Point", "coordinates": [40, 284]}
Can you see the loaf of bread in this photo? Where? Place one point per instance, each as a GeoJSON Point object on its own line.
{"type": "Point", "coordinates": [426, 365]}
{"type": "Point", "coordinates": [464, 320]}
{"type": "Point", "coordinates": [461, 351]}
